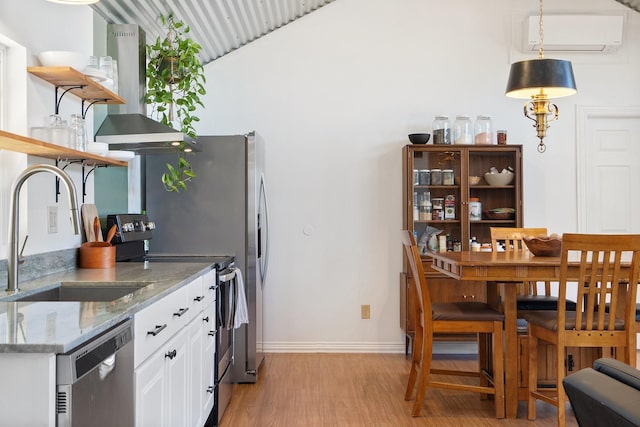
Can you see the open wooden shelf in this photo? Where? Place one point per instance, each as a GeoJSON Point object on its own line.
{"type": "Point", "coordinates": [69, 77]}
{"type": "Point", "coordinates": [22, 144]}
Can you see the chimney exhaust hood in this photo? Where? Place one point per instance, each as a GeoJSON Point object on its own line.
{"type": "Point", "coordinates": [127, 126]}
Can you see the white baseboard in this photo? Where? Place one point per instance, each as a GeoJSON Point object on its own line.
{"type": "Point", "coordinates": [363, 347]}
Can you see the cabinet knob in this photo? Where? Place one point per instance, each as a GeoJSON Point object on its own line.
{"type": "Point", "coordinates": [205, 319]}
{"type": "Point", "coordinates": [199, 298]}
{"type": "Point", "coordinates": [212, 333]}
{"type": "Point", "coordinates": [210, 389]}
{"type": "Point", "coordinates": [171, 354]}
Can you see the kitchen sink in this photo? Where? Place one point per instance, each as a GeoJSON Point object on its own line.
{"type": "Point", "coordinates": [81, 291]}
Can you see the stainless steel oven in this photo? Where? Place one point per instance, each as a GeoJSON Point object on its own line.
{"type": "Point", "coordinates": [226, 299]}
{"type": "Point", "coordinates": [94, 382]}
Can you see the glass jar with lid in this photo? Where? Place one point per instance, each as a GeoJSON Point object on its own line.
{"type": "Point", "coordinates": [462, 130]}
{"type": "Point", "coordinates": [483, 130]}
{"type": "Point", "coordinates": [441, 130]}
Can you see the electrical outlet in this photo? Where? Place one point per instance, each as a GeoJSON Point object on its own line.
{"type": "Point", "coordinates": [365, 311]}
{"type": "Point", "coordinates": [52, 219]}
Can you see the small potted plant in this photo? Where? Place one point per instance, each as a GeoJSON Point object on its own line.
{"type": "Point", "coordinates": [175, 82]}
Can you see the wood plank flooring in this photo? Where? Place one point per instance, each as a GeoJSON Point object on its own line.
{"type": "Point", "coordinates": [328, 389]}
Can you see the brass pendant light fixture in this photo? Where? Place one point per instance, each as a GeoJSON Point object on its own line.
{"type": "Point", "coordinates": [540, 80]}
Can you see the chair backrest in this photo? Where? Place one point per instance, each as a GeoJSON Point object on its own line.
{"type": "Point", "coordinates": [603, 266]}
{"type": "Point", "coordinates": [513, 237]}
{"type": "Point", "coordinates": [514, 241]}
{"type": "Point", "coordinates": [417, 272]}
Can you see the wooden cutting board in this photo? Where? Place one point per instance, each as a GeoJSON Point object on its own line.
{"type": "Point", "coordinates": [89, 213]}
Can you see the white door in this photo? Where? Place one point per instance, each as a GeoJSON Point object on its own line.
{"type": "Point", "coordinates": [608, 169]}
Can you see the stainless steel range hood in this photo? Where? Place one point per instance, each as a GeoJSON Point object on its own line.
{"type": "Point", "coordinates": [127, 126]}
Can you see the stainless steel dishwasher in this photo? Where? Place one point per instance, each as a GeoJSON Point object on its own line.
{"type": "Point", "coordinates": [95, 381]}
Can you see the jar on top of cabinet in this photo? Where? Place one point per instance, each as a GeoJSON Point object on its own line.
{"type": "Point", "coordinates": [483, 130]}
{"type": "Point", "coordinates": [441, 130]}
{"type": "Point", "coordinates": [462, 130]}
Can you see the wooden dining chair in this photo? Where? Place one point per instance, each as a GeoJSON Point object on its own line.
{"type": "Point", "coordinates": [529, 297]}
{"type": "Point", "coordinates": [451, 318]}
{"type": "Point", "coordinates": [604, 270]}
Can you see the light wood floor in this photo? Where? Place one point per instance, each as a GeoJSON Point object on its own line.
{"type": "Point", "coordinates": [323, 389]}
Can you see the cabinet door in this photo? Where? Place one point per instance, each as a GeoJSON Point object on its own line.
{"type": "Point", "coordinates": [432, 189]}
{"type": "Point", "coordinates": [196, 351]}
{"type": "Point", "coordinates": [150, 384]}
{"type": "Point", "coordinates": [177, 372]}
{"type": "Point", "coordinates": [209, 356]}
{"type": "Point", "coordinates": [481, 160]}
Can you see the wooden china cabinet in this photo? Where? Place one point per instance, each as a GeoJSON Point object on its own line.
{"type": "Point", "coordinates": [455, 223]}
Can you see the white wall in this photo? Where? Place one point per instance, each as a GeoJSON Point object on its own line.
{"type": "Point", "coordinates": [38, 25]}
{"type": "Point", "coordinates": [335, 93]}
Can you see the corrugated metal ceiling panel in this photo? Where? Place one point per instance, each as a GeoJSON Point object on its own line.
{"type": "Point", "coordinates": [220, 26]}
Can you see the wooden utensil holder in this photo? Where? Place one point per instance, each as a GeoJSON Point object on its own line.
{"type": "Point", "coordinates": [97, 255]}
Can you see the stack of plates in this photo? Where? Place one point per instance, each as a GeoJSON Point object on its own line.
{"type": "Point", "coordinates": [124, 156]}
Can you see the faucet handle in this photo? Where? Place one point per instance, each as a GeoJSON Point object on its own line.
{"type": "Point", "coordinates": [20, 257]}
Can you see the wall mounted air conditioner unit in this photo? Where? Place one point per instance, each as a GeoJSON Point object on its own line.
{"type": "Point", "coordinates": [574, 33]}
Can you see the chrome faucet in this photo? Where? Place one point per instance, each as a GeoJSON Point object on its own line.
{"type": "Point", "coordinates": [12, 268]}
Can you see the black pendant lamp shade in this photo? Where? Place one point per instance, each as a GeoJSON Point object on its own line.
{"type": "Point", "coordinates": [552, 77]}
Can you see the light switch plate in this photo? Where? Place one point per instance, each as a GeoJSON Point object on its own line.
{"type": "Point", "coordinates": [52, 219]}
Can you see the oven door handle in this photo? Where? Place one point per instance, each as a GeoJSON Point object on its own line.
{"type": "Point", "coordinates": [228, 276]}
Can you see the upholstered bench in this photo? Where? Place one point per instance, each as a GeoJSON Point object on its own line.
{"type": "Point", "coordinates": [605, 395]}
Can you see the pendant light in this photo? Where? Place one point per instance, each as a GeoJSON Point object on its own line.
{"type": "Point", "coordinates": [540, 80]}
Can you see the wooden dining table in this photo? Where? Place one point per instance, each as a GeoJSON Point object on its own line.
{"type": "Point", "coordinates": [508, 268]}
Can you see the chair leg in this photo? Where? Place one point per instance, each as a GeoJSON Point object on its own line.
{"type": "Point", "coordinates": [498, 369]}
{"type": "Point", "coordinates": [560, 356]}
{"type": "Point", "coordinates": [533, 376]}
{"type": "Point", "coordinates": [425, 373]}
{"type": "Point", "coordinates": [484, 358]}
{"type": "Point", "coordinates": [416, 357]}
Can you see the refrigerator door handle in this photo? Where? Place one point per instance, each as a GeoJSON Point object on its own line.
{"type": "Point", "coordinates": [264, 261]}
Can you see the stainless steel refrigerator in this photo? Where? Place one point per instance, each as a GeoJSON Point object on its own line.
{"type": "Point", "coordinates": [223, 211]}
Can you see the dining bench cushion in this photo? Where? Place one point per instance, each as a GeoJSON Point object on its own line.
{"type": "Point", "coordinates": [549, 320]}
{"type": "Point", "coordinates": [464, 310]}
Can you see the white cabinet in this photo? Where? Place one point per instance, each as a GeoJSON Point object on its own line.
{"type": "Point", "coordinates": [174, 357]}
{"type": "Point", "coordinates": [161, 385]}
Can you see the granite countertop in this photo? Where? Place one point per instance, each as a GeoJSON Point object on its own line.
{"type": "Point", "coordinates": [57, 327]}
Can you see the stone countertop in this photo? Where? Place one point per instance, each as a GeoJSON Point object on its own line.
{"type": "Point", "coordinates": [57, 327]}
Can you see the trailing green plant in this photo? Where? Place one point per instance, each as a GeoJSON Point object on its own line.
{"type": "Point", "coordinates": [175, 82]}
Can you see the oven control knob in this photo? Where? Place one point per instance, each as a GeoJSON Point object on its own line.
{"type": "Point", "coordinates": [151, 225]}
{"type": "Point", "coordinates": [127, 227]}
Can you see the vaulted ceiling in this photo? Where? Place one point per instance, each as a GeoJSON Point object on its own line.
{"type": "Point", "coordinates": [633, 4]}
{"type": "Point", "coordinates": [220, 26]}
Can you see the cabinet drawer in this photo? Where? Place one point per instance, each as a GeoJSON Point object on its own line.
{"type": "Point", "coordinates": [196, 297]}
{"type": "Point", "coordinates": [209, 286]}
{"type": "Point", "coordinates": [155, 324]}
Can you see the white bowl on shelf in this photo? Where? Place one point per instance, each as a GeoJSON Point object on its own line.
{"type": "Point", "coordinates": [499, 179]}
{"type": "Point", "coordinates": [62, 58]}
{"type": "Point", "coordinates": [99, 148]}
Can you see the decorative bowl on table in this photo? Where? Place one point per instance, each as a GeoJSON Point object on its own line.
{"type": "Point", "coordinates": [499, 179]}
{"type": "Point", "coordinates": [419, 138]}
{"type": "Point", "coordinates": [500, 213]}
{"type": "Point", "coordinates": [543, 246]}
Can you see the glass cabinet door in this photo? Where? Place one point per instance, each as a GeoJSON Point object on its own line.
{"type": "Point", "coordinates": [435, 197]}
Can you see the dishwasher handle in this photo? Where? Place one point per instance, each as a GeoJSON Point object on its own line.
{"type": "Point", "coordinates": [75, 364]}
